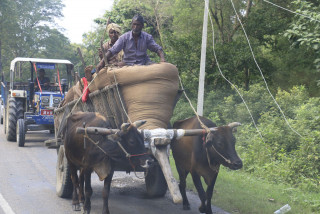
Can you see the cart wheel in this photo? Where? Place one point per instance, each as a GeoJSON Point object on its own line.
{"type": "Point", "coordinates": [64, 185]}
{"type": "Point", "coordinates": [21, 133]}
{"type": "Point", "coordinates": [155, 182]}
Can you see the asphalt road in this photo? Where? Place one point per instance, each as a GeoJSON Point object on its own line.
{"type": "Point", "coordinates": [28, 176]}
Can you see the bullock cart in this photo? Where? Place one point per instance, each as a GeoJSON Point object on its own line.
{"type": "Point", "coordinates": [125, 95]}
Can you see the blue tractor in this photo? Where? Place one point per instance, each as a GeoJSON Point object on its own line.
{"type": "Point", "coordinates": [28, 102]}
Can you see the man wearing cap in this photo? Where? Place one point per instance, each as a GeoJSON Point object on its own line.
{"type": "Point", "coordinates": [114, 31]}
{"type": "Point", "coordinates": [135, 44]}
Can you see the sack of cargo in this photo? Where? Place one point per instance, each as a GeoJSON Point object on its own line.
{"type": "Point", "coordinates": [73, 93]}
{"type": "Point", "coordinates": [148, 91]}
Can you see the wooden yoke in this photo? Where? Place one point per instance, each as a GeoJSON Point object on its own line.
{"type": "Point", "coordinates": [159, 140]}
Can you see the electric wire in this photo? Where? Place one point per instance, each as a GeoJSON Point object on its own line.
{"type": "Point", "coordinates": [218, 66]}
{"type": "Point", "coordinates": [254, 58]}
{"type": "Point", "coordinates": [300, 14]}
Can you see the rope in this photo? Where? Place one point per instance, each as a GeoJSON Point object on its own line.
{"type": "Point", "coordinates": [35, 69]}
{"type": "Point", "coordinates": [305, 16]}
{"type": "Point", "coordinates": [128, 156]}
{"type": "Point", "coordinates": [195, 112]}
{"type": "Point", "coordinates": [81, 97]}
{"type": "Point", "coordinates": [208, 158]}
{"type": "Point", "coordinates": [92, 141]}
{"type": "Point", "coordinates": [254, 58]}
{"type": "Point", "coordinates": [122, 105]}
{"type": "Point", "coordinates": [216, 169]}
{"type": "Point", "coordinates": [59, 79]}
{"type": "Point", "coordinates": [135, 172]}
{"type": "Point", "coordinates": [123, 149]}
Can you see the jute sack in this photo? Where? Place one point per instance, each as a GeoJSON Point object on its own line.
{"type": "Point", "coordinates": [73, 93]}
{"type": "Point", "coordinates": [148, 91]}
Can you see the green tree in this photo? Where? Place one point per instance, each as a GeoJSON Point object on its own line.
{"type": "Point", "coordinates": [305, 30]}
{"type": "Point", "coordinates": [28, 29]}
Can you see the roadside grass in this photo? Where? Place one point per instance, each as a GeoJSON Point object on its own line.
{"type": "Point", "coordinates": [238, 192]}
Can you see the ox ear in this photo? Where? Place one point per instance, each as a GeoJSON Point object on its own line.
{"type": "Point", "coordinates": [234, 126]}
{"type": "Point", "coordinates": [139, 123]}
{"type": "Point", "coordinates": [125, 127]}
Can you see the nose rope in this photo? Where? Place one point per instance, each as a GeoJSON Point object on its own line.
{"type": "Point", "coordinates": [227, 160]}
{"type": "Point", "coordinates": [204, 141]}
{"type": "Point", "coordinates": [129, 158]}
{"type": "Point", "coordinates": [216, 169]}
{"type": "Point", "coordinates": [135, 172]}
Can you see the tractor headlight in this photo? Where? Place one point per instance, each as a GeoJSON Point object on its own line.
{"type": "Point", "coordinates": [45, 100]}
{"type": "Point", "coordinates": [56, 100]}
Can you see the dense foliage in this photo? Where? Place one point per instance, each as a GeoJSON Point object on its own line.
{"type": "Point", "coordinates": [279, 154]}
{"type": "Point", "coordinates": [28, 29]}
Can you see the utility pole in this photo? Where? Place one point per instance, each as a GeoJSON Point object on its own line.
{"type": "Point", "coordinates": [203, 59]}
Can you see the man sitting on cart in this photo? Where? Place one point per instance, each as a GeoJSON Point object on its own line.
{"type": "Point", "coordinates": [135, 44]}
{"type": "Point", "coordinates": [114, 32]}
{"type": "Point", "coordinates": [44, 81]}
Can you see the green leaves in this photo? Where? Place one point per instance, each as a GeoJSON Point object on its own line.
{"type": "Point", "coordinates": [306, 31]}
{"type": "Point", "coordinates": [283, 156]}
{"type": "Point", "coordinates": [27, 30]}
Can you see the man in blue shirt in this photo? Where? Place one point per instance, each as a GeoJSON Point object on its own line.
{"type": "Point", "coordinates": [135, 44]}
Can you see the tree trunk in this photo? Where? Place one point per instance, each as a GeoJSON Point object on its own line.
{"type": "Point", "coordinates": [155, 10]}
{"type": "Point", "coordinates": [247, 72]}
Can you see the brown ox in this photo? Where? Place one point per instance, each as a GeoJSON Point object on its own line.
{"type": "Point", "coordinates": [203, 157]}
{"type": "Point", "coordinates": [82, 154]}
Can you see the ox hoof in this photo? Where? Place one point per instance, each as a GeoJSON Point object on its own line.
{"type": "Point", "coordinates": [76, 207]}
{"type": "Point", "coordinates": [186, 207]}
{"type": "Point", "coordinates": [86, 211]}
{"type": "Point", "coordinates": [202, 209]}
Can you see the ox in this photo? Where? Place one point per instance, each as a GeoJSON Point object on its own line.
{"type": "Point", "coordinates": [202, 156]}
{"type": "Point", "coordinates": [99, 153]}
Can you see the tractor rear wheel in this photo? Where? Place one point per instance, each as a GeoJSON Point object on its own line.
{"type": "Point", "coordinates": [21, 133]}
{"type": "Point", "coordinates": [14, 112]}
{"type": "Point", "coordinates": [4, 122]}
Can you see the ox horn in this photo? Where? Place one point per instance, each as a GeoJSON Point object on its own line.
{"type": "Point", "coordinates": [139, 123]}
{"type": "Point", "coordinates": [125, 127]}
{"type": "Point", "coordinates": [234, 124]}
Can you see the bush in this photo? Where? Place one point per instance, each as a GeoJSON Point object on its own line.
{"type": "Point", "coordinates": [280, 155]}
